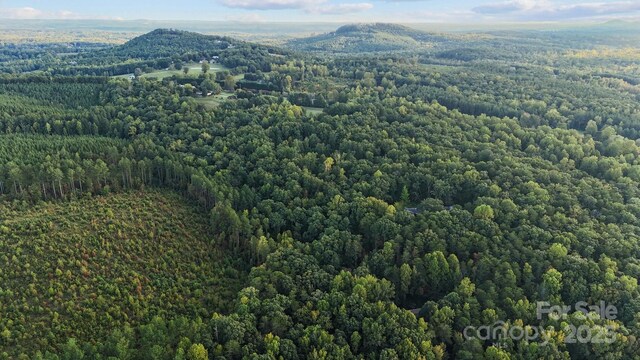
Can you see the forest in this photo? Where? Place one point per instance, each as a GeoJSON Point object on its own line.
{"type": "Point", "coordinates": [300, 202]}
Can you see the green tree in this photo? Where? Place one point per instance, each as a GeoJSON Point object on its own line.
{"type": "Point", "coordinates": [405, 279]}
{"type": "Point", "coordinates": [592, 128]}
{"type": "Point", "coordinates": [197, 352]}
{"type": "Point", "coordinates": [551, 284]}
{"type": "Point", "coordinates": [484, 212]}
{"type": "Point", "coordinates": [404, 195]}
{"type": "Point", "coordinates": [230, 83]}
{"type": "Point", "coordinates": [71, 351]}
{"type": "Point", "coordinates": [205, 67]}
{"type": "Point", "coordinates": [328, 163]}
{"type": "Point", "coordinates": [227, 224]}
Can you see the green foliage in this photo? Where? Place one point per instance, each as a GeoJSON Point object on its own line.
{"type": "Point", "coordinates": [197, 352]}
{"type": "Point", "coordinates": [483, 212]}
{"type": "Point", "coordinates": [82, 268]}
{"type": "Point", "coordinates": [482, 134]}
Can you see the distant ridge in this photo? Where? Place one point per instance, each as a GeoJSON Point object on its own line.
{"type": "Point", "coordinates": [373, 27]}
{"type": "Point", "coordinates": [374, 37]}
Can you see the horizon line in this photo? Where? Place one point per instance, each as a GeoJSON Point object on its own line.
{"type": "Point", "coordinates": [486, 22]}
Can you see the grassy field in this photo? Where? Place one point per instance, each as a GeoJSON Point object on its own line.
{"type": "Point", "coordinates": [81, 268]}
{"type": "Point", "coordinates": [313, 110]}
{"type": "Point", "coordinates": [211, 102]}
{"type": "Point", "coordinates": [195, 70]}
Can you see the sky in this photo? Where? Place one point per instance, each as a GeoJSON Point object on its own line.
{"type": "Point", "coordinates": [403, 11]}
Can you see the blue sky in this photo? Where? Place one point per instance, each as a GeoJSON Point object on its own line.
{"type": "Point", "coordinates": [451, 11]}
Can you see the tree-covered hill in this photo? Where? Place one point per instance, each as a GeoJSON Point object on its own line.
{"type": "Point", "coordinates": [358, 38]}
{"type": "Point", "coordinates": [159, 49]}
{"type": "Point", "coordinates": [166, 43]}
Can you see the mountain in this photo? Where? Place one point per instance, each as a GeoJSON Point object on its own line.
{"type": "Point", "coordinates": [162, 47]}
{"type": "Point", "coordinates": [168, 42]}
{"type": "Point", "coordinates": [368, 38]}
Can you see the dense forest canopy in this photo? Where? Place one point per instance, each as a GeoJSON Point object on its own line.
{"type": "Point", "coordinates": [197, 197]}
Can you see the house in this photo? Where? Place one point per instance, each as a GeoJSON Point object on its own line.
{"type": "Point", "coordinates": [132, 77]}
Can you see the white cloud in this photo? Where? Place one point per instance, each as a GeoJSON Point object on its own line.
{"type": "Point", "coordinates": [21, 13]}
{"type": "Point", "coordinates": [511, 6]}
{"type": "Point", "coordinates": [436, 17]}
{"type": "Point", "coordinates": [27, 13]}
{"type": "Point", "coordinates": [547, 10]}
{"type": "Point", "coordinates": [341, 9]}
{"type": "Point", "coordinates": [271, 4]}
{"type": "Point", "coordinates": [320, 7]}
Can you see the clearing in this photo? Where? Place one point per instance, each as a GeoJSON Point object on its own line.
{"type": "Point", "coordinates": [195, 70]}
{"type": "Point", "coordinates": [82, 268]}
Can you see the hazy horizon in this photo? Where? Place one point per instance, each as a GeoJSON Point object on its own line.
{"type": "Point", "coordinates": [484, 12]}
{"type": "Point", "coordinates": [283, 27]}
